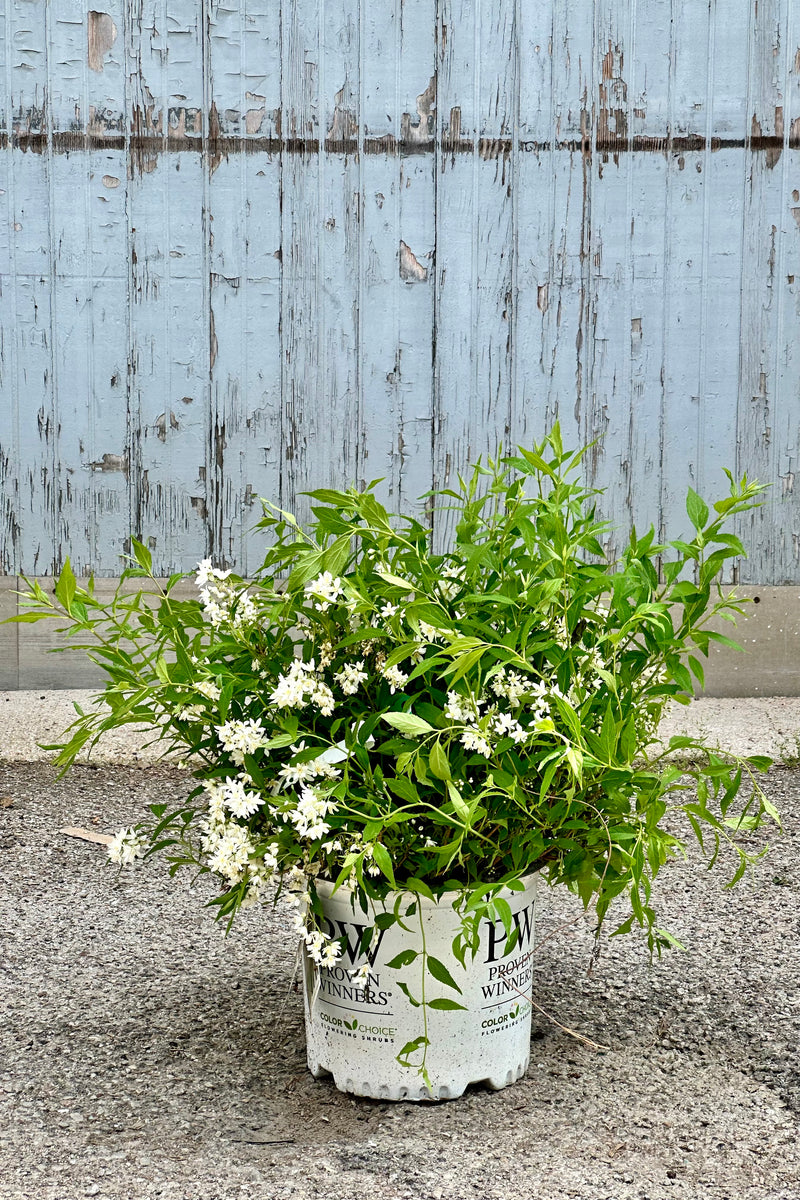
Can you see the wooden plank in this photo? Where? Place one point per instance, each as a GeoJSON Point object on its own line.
{"type": "Point", "coordinates": [321, 211]}
{"type": "Point", "coordinates": [787, 351]}
{"type": "Point", "coordinates": [333, 451]}
{"type": "Point", "coordinates": [171, 448]}
{"type": "Point", "coordinates": [412, 373]}
{"type": "Point", "coordinates": [683, 406]}
{"type": "Point", "coordinates": [761, 420]}
{"type": "Point", "coordinates": [28, 422]}
{"type": "Point", "coordinates": [540, 250]}
{"type": "Point", "coordinates": [475, 239]}
{"type": "Point", "coordinates": [379, 350]}
{"type": "Point", "coordinates": [300, 204]}
{"type": "Point", "coordinates": [90, 236]}
{"type": "Point", "coordinates": [243, 86]}
{"type": "Point", "coordinates": [397, 296]}
{"type": "Point", "coordinates": [26, 67]}
{"type": "Point", "coordinates": [67, 61]}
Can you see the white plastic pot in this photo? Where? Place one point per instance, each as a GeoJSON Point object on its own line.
{"type": "Point", "coordinates": [355, 1032]}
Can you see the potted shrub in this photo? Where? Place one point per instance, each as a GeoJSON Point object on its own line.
{"type": "Point", "coordinates": [397, 743]}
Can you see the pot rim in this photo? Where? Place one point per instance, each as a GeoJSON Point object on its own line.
{"type": "Point", "coordinates": [324, 888]}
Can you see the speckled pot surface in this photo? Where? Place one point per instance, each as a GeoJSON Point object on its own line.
{"type": "Point", "coordinates": [356, 1031]}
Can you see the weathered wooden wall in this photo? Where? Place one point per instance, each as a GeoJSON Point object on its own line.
{"type": "Point", "coordinates": [248, 248]}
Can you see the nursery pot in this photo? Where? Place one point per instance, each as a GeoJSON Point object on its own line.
{"type": "Point", "coordinates": [356, 1031]}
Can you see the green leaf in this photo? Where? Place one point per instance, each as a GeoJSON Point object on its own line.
{"type": "Point", "coordinates": [446, 1005]}
{"type": "Point", "coordinates": [396, 581]}
{"type": "Point", "coordinates": [722, 640]}
{"type": "Point", "coordinates": [402, 786]}
{"type": "Point", "coordinates": [161, 669]}
{"type": "Point", "coordinates": [459, 804]}
{"type": "Point", "coordinates": [328, 496]}
{"type": "Point", "coordinates": [419, 886]}
{"type": "Point", "coordinates": [403, 959]}
{"type": "Point", "coordinates": [412, 1047]}
{"type": "Point", "coordinates": [408, 723]}
{"type": "Point", "coordinates": [382, 859]}
{"type": "Point", "coordinates": [665, 936]}
{"type": "Point", "coordinates": [464, 664]}
{"type": "Point", "coordinates": [439, 971]}
{"type": "Point", "coordinates": [414, 1003]}
{"type": "Point", "coordinates": [438, 763]}
{"type": "Point", "coordinates": [65, 588]}
{"type": "Point", "coordinates": [697, 509]}
{"type": "Point", "coordinates": [142, 555]}
{"type": "Point", "coordinates": [697, 670]}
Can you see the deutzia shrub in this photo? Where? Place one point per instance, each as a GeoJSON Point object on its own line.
{"type": "Point", "coordinates": [372, 711]}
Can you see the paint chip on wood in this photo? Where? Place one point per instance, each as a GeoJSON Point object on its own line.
{"type": "Point", "coordinates": [411, 269]}
{"type": "Point", "coordinates": [102, 34]}
{"type": "Point", "coordinates": [111, 462]}
{"type": "Point", "coordinates": [110, 181]}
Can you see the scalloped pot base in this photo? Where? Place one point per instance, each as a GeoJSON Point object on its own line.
{"type": "Point", "coordinates": [355, 1031]}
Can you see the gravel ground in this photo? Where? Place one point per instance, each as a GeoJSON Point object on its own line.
{"type": "Point", "coordinates": [143, 1054]}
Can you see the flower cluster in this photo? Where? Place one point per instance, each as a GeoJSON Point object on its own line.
{"type": "Point", "coordinates": [239, 738]}
{"type": "Point", "coordinates": [126, 846]}
{"type": "Point", "coordinates": [223, 602]}
{"type": "Point", "coordinates": [302, 684]}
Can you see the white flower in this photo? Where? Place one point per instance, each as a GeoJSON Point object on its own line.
{"type": "Point", "coordinates": [507, 726]}
{"type": "Point", "coordinates": [238, 800]}
{"type": "Point", "coordinates": [239, 738]}
{"type": "Point", "coordinates": [350, 676]}
{"type": "Point", "coordinates": [321, 950]}
{"type": "Point", "coordinates": [126, 847]}
{"type": "Point", "coordinates": [230, 852]}
{"type": "Point", "coordinates": [246, 611]}
{"type": "Point", "coordinates": [560, 634]}
{"type": "Point", "coordinates": [322, 696]}
{"type": "Point", "coordinates": [461, 708]}
{"type": "Point", "coordinates": [206, 573]}
{"type": "Point", "coordinates": [216, 801]}
{"type": "Point", "coordinates": [191, 712]}
{"type": "Point", "coordinates": [389, 610]}
{"type": "Point", "coordinates": [394, 677]}
{"type": "Point", "coordinates": [324, 590]}
{"type": "Point", "coordinates": [308, 817]}
{"type": "Point", "coordinates": [359, 975]}
{"type": "Point", "coordinates": [331, 954]}
{"type": "Point", "coordinates": [325, 655]}
{"type": "Point", "coordinates": [208, 689]}
{"type": "Point", "coordinates": [450, 589]}
{"type": "Point", "coordinates": [299, 772]}
{"type": "Point", "coordinates": [511, 685]}
{"type": "Point", "coordinates": [291, 688]}
{"type": "Point", "coordinates": [429, 632]}
{"type": "Point", "coordinates": [473, 739]}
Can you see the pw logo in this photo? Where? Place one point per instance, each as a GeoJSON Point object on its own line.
{"type": "Point", "coordinates": [523, 924]}
{"type": "Point", "coordinates": [352, 940]}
